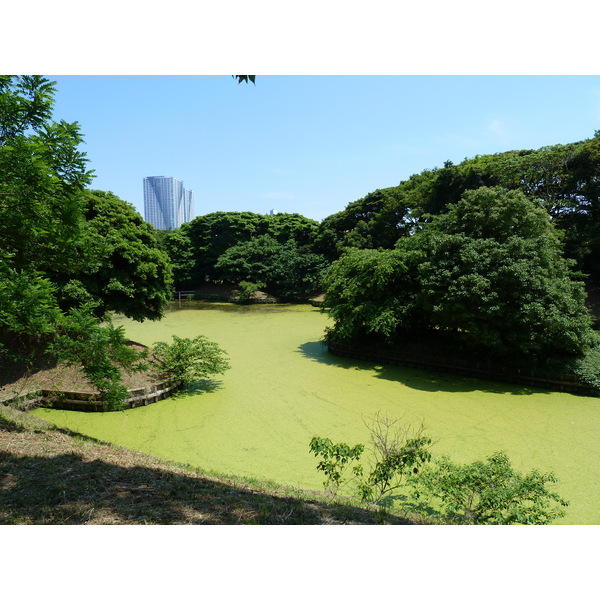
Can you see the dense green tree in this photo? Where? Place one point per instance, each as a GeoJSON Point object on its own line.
{"type": "Point", "coordinates": [489, 276]}
{"type": "Point", "coordinates": [564, 177]}
{"type": "Point", "coordinates": [495, 276]}
{"type": "Point", "coordinates": [176, 243]}
{"type": "Point", "coordinates": [129, 275]}
{"type": "Point", "coordinates": [248, 260]}
{"type": "Point", "coordinates": [67, 256]}
{"type": "Point", "coordinates": [285, 270]}
{"type": "Point", "coordinates": [296, 273]}
{"type": "Point", "coordinates": [42, 178]}
{"type": "Point", "coordinates": [184, 361]}
{"type": "Point", "coordinates": [213, 234]}
{"type": "Point", "coordinates": [372, 295]}
{"type": "Point", "coordinates": [375, 221]}
{"type": "Point", "coordinates": [489, 492]}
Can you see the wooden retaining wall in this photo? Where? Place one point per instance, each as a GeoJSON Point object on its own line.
{"type": "Point", "coordinates": [89, 402]}
{"type": "Point", "coordinates": [564, 382]}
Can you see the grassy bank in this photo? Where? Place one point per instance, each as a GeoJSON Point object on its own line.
{"type": "Point", "coordinates": [53, 476]}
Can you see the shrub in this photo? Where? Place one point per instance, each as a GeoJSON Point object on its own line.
{"type": "Point", "coordinates": [247, 291]}
{"type": "Point", "coordinates": [490, 492]}
{"type": "Point", "coordinates": [395, 452]}
{"type": "Point", "coordinates": [185, 360]}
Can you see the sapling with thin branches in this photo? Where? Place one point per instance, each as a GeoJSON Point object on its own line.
{"type": "Point", "coordinates": [395, 451]}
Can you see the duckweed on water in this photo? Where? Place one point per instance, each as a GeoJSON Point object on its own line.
{"type": "Point", "coordinates": [283, 388]}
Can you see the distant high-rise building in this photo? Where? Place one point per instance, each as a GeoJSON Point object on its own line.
{"type": "Point", "coordinates": [167, 204]}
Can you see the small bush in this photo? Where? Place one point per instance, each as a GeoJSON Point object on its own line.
{"type": "Point", "coordinates": [489, 492]}
{"type": "Point", "coordinates": [395, 451]}
{"type": "Point", "coordinates": [247, 291]}
{"type": "Point", "coordinates": [185, 360]}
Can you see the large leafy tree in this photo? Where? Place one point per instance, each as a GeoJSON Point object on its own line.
{"type": "Point", "coordinates": [129, 274]}
{"type": "Point", "coordinates": [178, 246]}
{"type": "Point", "coordinates": [42, 177]}
{"type": "Point", "coordinates": [283, 269]}
{"type": "Point", "coordinates": [372, 295]}
{"type": "Point", "coordinates": [67, 256]}
{"type": "Point", "coordinates": [563, 177]}
{"type": "Point", "coordinates": [495, 277]}
{"type": "Point", "coordinates": [376, 221]}
{"type": "Point", "coordinates": [488, 276]}
{"type": "Point", "coordinates": [210, 236]}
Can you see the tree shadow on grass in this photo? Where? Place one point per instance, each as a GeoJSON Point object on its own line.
{"type": "Point", "coordinates": [427, 380]}
{"type": "Point", "coordinates": [70, 489]}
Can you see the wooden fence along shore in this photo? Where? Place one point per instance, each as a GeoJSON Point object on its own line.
{"type": "Point", "coordinates": [561, 382]}
{"type": "Point", "coordinates": [89, 402]}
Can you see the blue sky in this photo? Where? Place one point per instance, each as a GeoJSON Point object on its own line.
{"type": "Point", "coordinates": [310, 144]}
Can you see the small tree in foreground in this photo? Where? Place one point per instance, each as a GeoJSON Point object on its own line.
{"type": "Point", "coordinates": [485, 492]}
{"type": "Point", "coordinates": [395, 453]}
{"type": "Point", "coordinates": [185, 360]}
{"type": "Point", "coordinates": [336, 459]}
{"type": "Point", "coordinates": [490, 492]}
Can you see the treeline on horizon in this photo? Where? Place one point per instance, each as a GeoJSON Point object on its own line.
{"type": "Point", "coordinates": [288, 252]}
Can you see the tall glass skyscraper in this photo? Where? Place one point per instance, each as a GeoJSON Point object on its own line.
{"type": "Point", "coordinates": [167, 204]}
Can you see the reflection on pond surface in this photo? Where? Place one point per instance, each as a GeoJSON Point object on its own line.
{"type": "Point", "coordinates": [284, 387]}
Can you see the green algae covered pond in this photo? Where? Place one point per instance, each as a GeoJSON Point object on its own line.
{"type": "Point", "coordinates": [284, 387]}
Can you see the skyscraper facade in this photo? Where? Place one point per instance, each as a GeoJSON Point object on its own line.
{"type": "Point", "coordinates": [167, 204]}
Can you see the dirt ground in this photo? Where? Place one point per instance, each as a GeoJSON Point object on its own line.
{"type": "Point", "coordinates": [61, 378]}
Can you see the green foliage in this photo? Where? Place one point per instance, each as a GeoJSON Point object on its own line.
{"type": "Point", "coordinates": [484, 492]}
{"type": "Point", "coordinates": [336, 458]}
{"type": "Point", "coordinates": [245, 78]}
{"type": "Point", "coordinates": [585, 366]}
{"type": "Point", "coordinates": [247, 291]}
{"type": "Point", "coordinates": [286, 270]}
{"type": "Point", "coordinates": [490, 492]}
{"type": "Point", "coordinates": [67, 256]}
{"type": "Point", "coordinates": [395, 453]}
{"type": "Point", "coordinates": [494, 275]}
{"type": "Point", "coordinates": [100, 349]}
{"type": "Point", "coordinates": [129, 274]}
{"type": "Point", "coordinates": [210, 236]}
{"type": "Point", "coordinates": [295, 273]}
{"type": "Point", "coordinates": [176, 243]}
{"type": "Point", "coordinates": [27, 303]}
{"type": "Point", "coordinates": [562, 177]}
{"type": "Point", "coordinates": [372, 293]}
{"type": "Point", "coordinates": [185, 360]}
{"type": "Point", "coordinates": [376, 221]}
{"type": "Point", "coordinates": [488, 275]}
{"type": "Point", "coordinates": [43, 175]}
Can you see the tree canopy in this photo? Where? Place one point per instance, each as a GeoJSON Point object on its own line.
{"type": "Point", "coordinates": [562, 177]}
{"type": "Point", "coordinates": [68, 256]}
{"type": "Point", "coordinates": [489, 275]}
{"type": "Point", "coordinates": [129, 273]}
{"type": "Point", "coordinates": [278, 250]}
